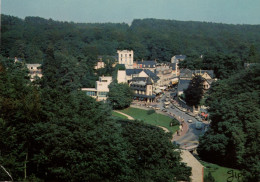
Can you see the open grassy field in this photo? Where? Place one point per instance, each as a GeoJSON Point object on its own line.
{"type": "Point", "coordinates": [222, 174]}
{"type": "Point", "coordinates": [150, 117]}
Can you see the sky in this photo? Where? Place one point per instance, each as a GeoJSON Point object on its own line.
{"type": "Point", "coordinates": [118, 11]}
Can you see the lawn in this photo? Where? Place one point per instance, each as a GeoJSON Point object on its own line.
{"type": "Point", "coordinates": [150, 117]}
{"type": "Point", "coordinates": [220, 173]}
{"type": "Point", "coordinates": [118, 115]}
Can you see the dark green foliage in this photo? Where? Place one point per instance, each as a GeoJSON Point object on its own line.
{"type": "Point", "coordinates": [174, 122]}
{"type": "Point", "coordinates": [120, 95]}
{"type": "Point", "coordinates": [53, 134]}
{"type": "Point", "coordinates": [223, 65]}
{"type": "Point", "coordinates": [209, 178]}
{"type": "Point", "coordinates": [234, 110]}
{"type": "Point", "coordinates": [194, 92]}
{"type": "Point", "coordinates": [19, 106]}
{"type": "Point", "coordinates": [149, 38]}
{"type": "Point", "coordinates": [253, 56]}
{"type": "Point", "coordinates": [153, 157]}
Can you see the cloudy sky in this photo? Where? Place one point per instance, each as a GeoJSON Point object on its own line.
{"type": "Point", "coordinates": [221, 11]}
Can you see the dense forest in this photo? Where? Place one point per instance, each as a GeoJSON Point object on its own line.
{"type": "Point", "coordinates": [29, 38]}
{"type": "Point", "coordinates": [233, 137]}
{"type": "Point", "coordinates": [52, 131]}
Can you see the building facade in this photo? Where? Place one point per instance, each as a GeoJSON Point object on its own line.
{"type": "Point", "coordinates": [164, 72]}
{"type": "Point", "coordinates": [34, 71]}
{"type": "Point", "coordinates": [177, 58]}
{"type": "Point", "coordinates": [126, 57]}
{"type": "Point", "coordinates": [143, 89]}
{"type": "Point", "coordinates": [150, 65]}
{"type": "Point", "coordinates": [101, 89]}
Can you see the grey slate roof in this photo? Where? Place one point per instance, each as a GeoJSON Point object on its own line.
{"type": "Point", "coordinates": [180, 56]}
{"type": "Point", "coordinates": [152, 75]}
{"type": "Point", "coordinates": [186, 73]}
{"type": "Point", "coordinates": [133, 71]}
{"type": "Point", "coordinates": [146, 80]}
{"type": "Point", "coordinates": [147, 64]}
{"type": "Point", "coordinates": [210, 72]}
{"type": "Point", "coordinates": [183, 84]}
{"type": "Point", "coordinates": [173, 66]}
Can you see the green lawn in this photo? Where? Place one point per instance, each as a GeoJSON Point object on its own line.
{"type": "Point", "coordinates": [118, 115]}
{"type": "Point", "coordinates": [221, 174]}
{"type": "Point", "coordinates": [150, 117]}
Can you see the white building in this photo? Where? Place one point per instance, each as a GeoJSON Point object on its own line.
{"type": "Point", "coordinates": [177, 58]}
{"type": "Point", "coordinates": [126, 57]}
{"type": "Point", "coordinates": [164, 72]}
{"type": "Point", "coordinates": [101, 90]}
{"type": "Point", "coordinates": [34, 71]}
{"type": "Point", "coordinates": [121, 76]}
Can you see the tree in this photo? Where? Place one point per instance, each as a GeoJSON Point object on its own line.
{"type": "Point", "coordinates": [234, 110]}
{"type": "Point", "coordinates": [194, 92]}
{"type": "Point", "coordinates": [120, 95]}
{"type": "Point", "coordinates": [20, 106]}
{"type": "Point", "coordinates": [252, 56]}
{"type": "Point", "coordinates": [209, 178]}
{"type": "Point", "coordinates": [153, 156]}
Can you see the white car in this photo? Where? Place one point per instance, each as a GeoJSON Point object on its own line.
{"type": "Point", "coordinates": [189, 121]}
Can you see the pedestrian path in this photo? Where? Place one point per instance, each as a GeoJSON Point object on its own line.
{"type": "Point", "coordinates": [185, 129]}
{"type": "Point", "coordinates": [128, 117]}
{"type": "Point", "coordinates": [131, 118]}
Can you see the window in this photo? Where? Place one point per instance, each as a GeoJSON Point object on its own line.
{"type": "Point", "coordinates": [31, 68]}
{"type": "Point", "coordinates": [129, 55]}
{"type": "Point", "coordinates": [91, 93]}
{"type": "Point", "coordinates": [102, 94]}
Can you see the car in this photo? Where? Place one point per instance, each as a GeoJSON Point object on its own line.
{"type": "Point", "coordinates": [172, 107]}
{"type": "Point", "coordinates": [164, 110]}
{"type": "Point", "coordinates": [198, 118]}
{"type": "Point", "coordinates": [198, 125]}
{"type": "Point", "coordinates": [176, 143]}
{"type": "Point", "coordinates": [157, 108]}
{"type": "Point", "coordinates": [189, 121]}
{"type": "Point", "coordinates": [166, 106]}
{"type": "Point", "coordinates": [184, 109]}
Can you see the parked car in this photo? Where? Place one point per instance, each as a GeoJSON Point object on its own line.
{"type": "Point", "coordinates": [184, 110]}
{"type": "Point", "coordinates": [164, 110]}
{"type": "Point", "coordinates": [157, 108]}
{"type": "Point", "coordinates": [198, 125]}
{"type": "Point", "coordinates": [189, 121]}
{"type": "Point", "coordinates": [176, 143]}
{"type": "Point", "coordinates": [198, 118]}
{"type": "Point", "coordinates": [167, 103]}
{"type": "Point", "coordinates": [166, 106]}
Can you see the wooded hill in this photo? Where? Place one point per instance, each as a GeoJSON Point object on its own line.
{"type": "Point", "coordinates": [149, 38]}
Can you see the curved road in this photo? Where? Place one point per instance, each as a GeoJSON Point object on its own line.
{"type": "Point", "coordinates": [191, 138]}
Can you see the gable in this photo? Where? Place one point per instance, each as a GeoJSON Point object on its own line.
{"type": "Point", "coordinates": [142, 74]}
{"type": "Point", "coordinates": [206, 76]}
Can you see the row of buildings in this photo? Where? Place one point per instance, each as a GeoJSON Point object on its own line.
{"type": "Point", "coordinates": [146, 78]}
{"type": "Point", "coordinates": [149, 78]}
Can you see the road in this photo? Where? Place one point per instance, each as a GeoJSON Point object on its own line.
{"type": "Point", "coordinates": [191, 137]}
